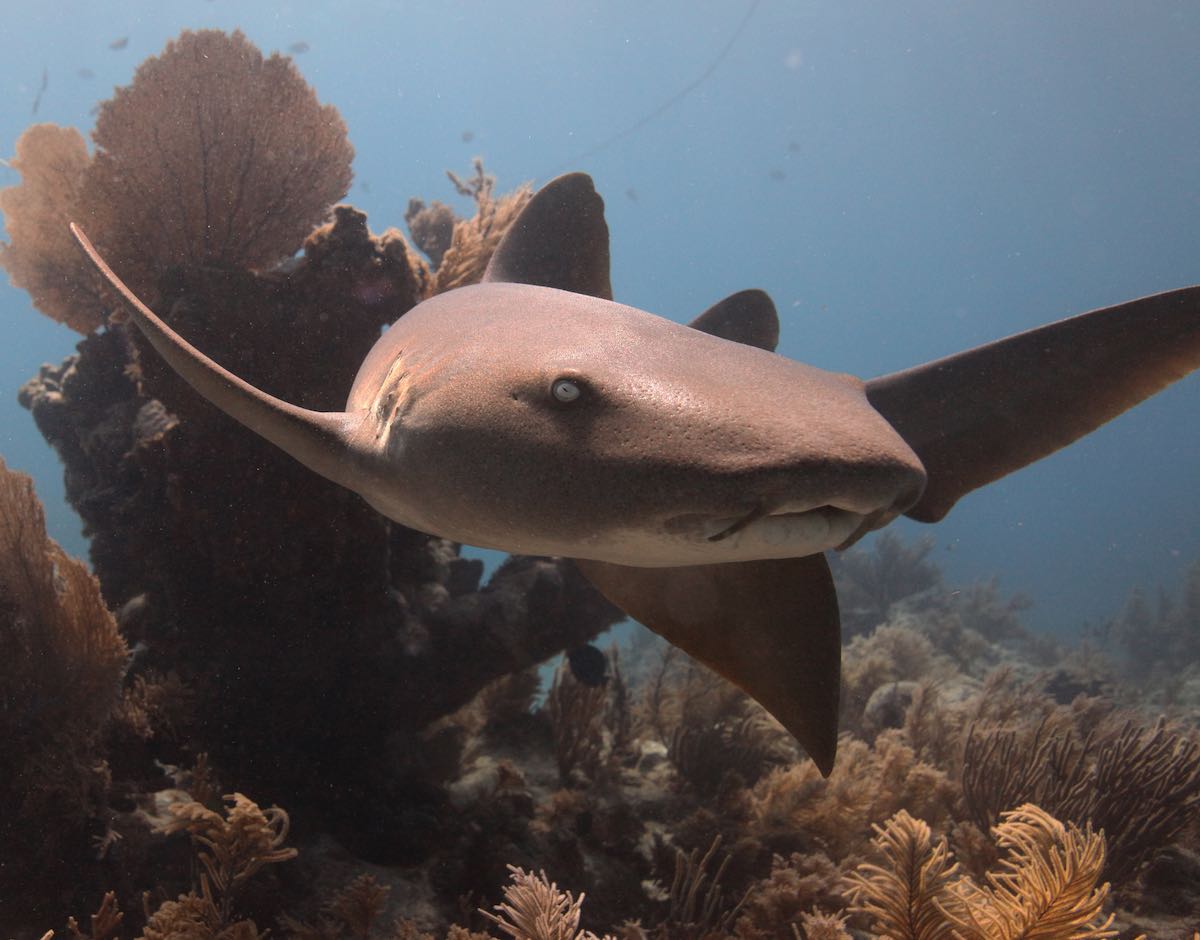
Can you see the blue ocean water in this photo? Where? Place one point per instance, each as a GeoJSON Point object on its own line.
{"type": "Point", "coordinates": [906, 180]}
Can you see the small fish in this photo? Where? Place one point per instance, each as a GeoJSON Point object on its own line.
{"type": "Point", "coordinates": [118, 44]}
{"type": "Point", "coordinates": [297, 48]}
{"type": "Point", "coordinates": [588, 665]}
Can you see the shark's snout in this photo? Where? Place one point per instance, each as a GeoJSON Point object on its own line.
{"type": "Point", "coordinates": [798, 506]}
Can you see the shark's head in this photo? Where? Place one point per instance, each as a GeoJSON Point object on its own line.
{"type": "Point", "coordinates": [542, 421]}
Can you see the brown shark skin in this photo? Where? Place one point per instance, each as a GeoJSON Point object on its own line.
{"type": "Point", "coordinates": [746, 317]}
{"type": "Point", "coordinates": [770, 625]}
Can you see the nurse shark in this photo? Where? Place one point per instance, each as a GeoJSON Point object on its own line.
{"type": "Point", "coordinates": [693, 475]}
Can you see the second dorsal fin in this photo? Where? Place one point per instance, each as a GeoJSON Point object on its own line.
{"type": "Point", "coordinates": [746, 317]}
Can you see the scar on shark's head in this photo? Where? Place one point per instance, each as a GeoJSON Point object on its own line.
{"type": "Point", "coordinates": [695, 476]}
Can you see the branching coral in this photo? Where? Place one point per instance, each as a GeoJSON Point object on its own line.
{"type": "Point", "coordinates": [42, 257]}
{"type": "Point", "coordinates": [698, 905]}
{"type": "Point", "coordinates": [354, 909]}
{"type": "Point", "coordinates": [1140, 784]}
{"type": "Point", "coordinates": [715, 733]}
{"type": "Point", "coordinates": [1045, 886]}
{"type": "Point", "coordinates": [534, 909]}
{"type": "Point", "coordinates": [102, 924]}
{"type": "Point", "coordinates": [797, 884]}
{"type": "Point", "coordinates": [893, 652]}
{"type": "Point", "coordinates": [816, 925]}
{"type": "Point", "coordinates": [901, 894]}
{"type": "Point", "coordinates": [1156, 639]}
{"type": "Point", "coordinates": [231, 848]}
{"type": "Point", "coordinates": [576, 713]}
{"type": "Point", "coordinates": [432, 228]}
{"type": "Point", "coordinates": [1043, 889]}
{"type": "Point", "coordinates": [866, 784]}
{"type": "Point", "coordinates": [871, 581]}
{"type": "Point", "coordinates": [473, 240]}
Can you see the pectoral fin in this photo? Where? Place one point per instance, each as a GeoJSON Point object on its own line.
{"type": "Point", "coordinates": [770, 627]}
{"type": "Point", "coordinates": [981, 414]}
{"type": "Point", "coordinates": [321, 440]}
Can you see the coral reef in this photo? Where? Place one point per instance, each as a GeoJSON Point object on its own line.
{"type": "Point", "coordinates": [289, 643]}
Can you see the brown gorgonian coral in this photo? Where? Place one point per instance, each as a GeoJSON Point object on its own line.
{"type": "Point", "coordinates": [213, 155]}
{"type": "Point", "coordinates": [42, 257]}
{"type": "Point", "coordinates": [61, 663]}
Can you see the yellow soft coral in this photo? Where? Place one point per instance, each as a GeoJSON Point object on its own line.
{"type": "Point", "coordinates": [1044, 887]}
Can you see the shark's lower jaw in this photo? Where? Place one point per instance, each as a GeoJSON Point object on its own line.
{"type": "Point", "coordinates": [782, 534]}
{"type": "Point", "coordinates": [698, 540]}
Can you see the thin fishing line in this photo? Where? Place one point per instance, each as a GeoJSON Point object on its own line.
{"type": "Point", "coordinates": [666, 105]}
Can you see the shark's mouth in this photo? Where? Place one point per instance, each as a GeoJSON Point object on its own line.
{"type": "Point", "coordinates": [762, 532]}
{"type": "Point", "coordinates": [782, 527]}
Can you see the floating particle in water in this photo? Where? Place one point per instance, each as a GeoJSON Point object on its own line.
{"type": "Point", "coordinates": [777, 174]}
{"type": "Point", "coordinates": [468, 136]}
{"type": "Point", "coordinates": [631, 194]}
{"type": "Point", "coordinates": [37, 100]}
{"type": "Point", "coordinates": [298, 47]}
{"type": "Point", "coordinates": [118, 44]}
{"type": "Point", "coordinates": [794, 60]}
{"type": "Point", "coordinates": [85, 73]}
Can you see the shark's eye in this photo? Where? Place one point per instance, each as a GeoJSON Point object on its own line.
{"type": "Point", "coordinates": [565, 390]}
